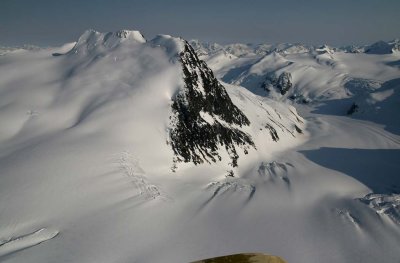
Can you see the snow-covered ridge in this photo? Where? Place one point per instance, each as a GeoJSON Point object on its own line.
{"type": "Point", "coordinates": [94, 40]}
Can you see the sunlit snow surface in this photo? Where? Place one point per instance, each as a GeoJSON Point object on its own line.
{"type": "Point", "coordinates": [85, 170]}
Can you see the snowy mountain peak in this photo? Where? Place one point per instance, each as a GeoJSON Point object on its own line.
{"type": "Point", "coordinates": [173, 45]}
{"type": "Point", "coordinates": [88, 35]}
{"type": "Point", "coordinates": [325, 49]}
{"type": "Point", "coordinates": [131, 34]}
{"type": "Point", "coordinates": [93, 40]}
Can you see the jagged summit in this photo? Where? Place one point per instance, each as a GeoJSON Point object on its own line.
{"type": "Point", "coordinates": [205, 118]}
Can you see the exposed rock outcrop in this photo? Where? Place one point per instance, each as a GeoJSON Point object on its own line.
{"type": "Point", "coordinates": [282, 83]}
{"type": "Point", "coordinates": [204, 117]}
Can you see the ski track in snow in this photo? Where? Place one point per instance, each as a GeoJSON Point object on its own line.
{"type": "Point", "coordinates": [131, 169]}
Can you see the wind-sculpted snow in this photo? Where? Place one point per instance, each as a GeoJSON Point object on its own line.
{"type": "Point", "coordinates": [347, 217]}
{"type": "Point", "coordinates": [275, 171]}
{"type": "Point", "coordinates": [15, 244]}
{"type": "Point", "coordinates": [231, 186]}
{"type": "Point", "coordinates": [268, 173]}
{"type": "Point", "coordinates": [384, 204]}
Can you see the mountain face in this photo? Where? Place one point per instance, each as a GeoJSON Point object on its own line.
{"type": "Point", "coordinates": [204, 123]}
{"type": "Point", "coordinates": [204, 116]}
{"type": "Point", "coordinates": [104, 72]}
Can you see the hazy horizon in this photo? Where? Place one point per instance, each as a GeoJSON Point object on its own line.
{"type": "Point", "coordinates": [49, 23]}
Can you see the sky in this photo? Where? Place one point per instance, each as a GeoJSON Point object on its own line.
{"type": "Point", "coordinates": [334, 22]}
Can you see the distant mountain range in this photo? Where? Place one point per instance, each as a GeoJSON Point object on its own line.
{"type": "Point", "coordinates": [204, 48]}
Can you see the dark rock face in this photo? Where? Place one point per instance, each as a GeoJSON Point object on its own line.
{"type": "Point", "coordinates": [205, 118]}
{"type": "Point", "coordinates": [353, 109]}
{"type": "Point", "coordinates": [282, 83]}
{"type": "Point", "coordinates": [298, 130]}
{"type": "Point", "coordinates": [272, 132]}
{"type": "Point", "coordinates": [299, 98]}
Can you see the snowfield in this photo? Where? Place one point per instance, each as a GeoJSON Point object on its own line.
{"type": "Point", "coordinates": [88, 172]}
